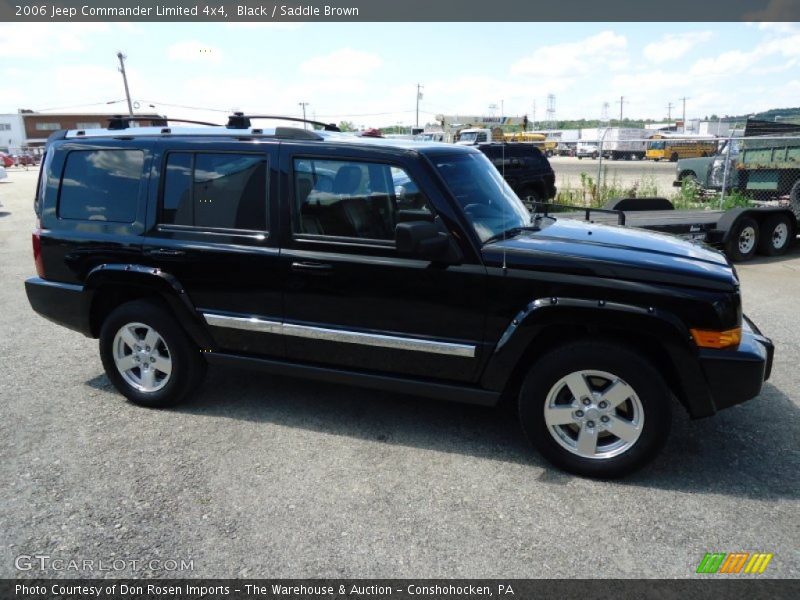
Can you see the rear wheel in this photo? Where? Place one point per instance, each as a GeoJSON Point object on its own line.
{"type": "Point", "coordinates": [147, 356]}
{"type": "Point", "coordinates": [743, 240]}
{"type": "Point", "coordinates": [595, 408]}
{"type": "Point", "coordinates": [776, 235]}
{"type": "Point", "coordinates": [673, 157]}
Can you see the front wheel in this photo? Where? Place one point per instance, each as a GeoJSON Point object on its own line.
{"type": "Point", "coordinates": [147, 356]}
{"type": "Point", "coordinates": [595, 409]}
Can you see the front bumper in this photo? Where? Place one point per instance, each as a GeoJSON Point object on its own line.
{"type": "Point", "coordinates": [735, 376]}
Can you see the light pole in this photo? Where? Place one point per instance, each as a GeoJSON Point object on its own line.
{"type": "Point", "coordinates": [304, 104]}
{"type": "Point", "coordinates": [684, 99]}
{"type": "Point", "coordinates": [419, 97]}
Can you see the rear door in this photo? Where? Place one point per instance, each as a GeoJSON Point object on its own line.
{"type": "Point", "coordinates": [211, 223]}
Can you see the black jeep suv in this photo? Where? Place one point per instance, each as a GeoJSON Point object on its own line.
{"type": "Point", "coordinates": [310, 253]}
{"type": "Point", "coordinates": [524, 167]}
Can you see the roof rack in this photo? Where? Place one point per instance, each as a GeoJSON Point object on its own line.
{"type": "Point", "coordinates": [119, 122]}
{"type": "Point", "coordinates": [240, 120]}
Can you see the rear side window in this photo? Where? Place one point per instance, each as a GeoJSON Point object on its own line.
{"type": "Point", "coordinates": [215, 191]}
{"type": "Point", "coordinates": [101, 185]}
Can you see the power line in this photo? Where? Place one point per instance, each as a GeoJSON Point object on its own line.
{"type": "Point", "coordinates": [80, 105]}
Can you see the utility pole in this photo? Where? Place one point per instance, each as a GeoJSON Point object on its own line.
{"type": "Point", "coordinates": [669, 112]}
{"type": "Point", "coordinates": [122, 58]}
{"type": "Point", "coordinates": [684, 99]}
{"type": "Point", "coordinates": [304, 104]}
{"type": "Point", "coordinates": [621, 103]}
{"type": "Point", "coordinates": [534, 115]}
{"type": "Point", "coordinates": [419, 97]}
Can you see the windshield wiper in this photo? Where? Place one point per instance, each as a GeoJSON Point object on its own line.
{"type": "Point", "coordinates": [511, 232]}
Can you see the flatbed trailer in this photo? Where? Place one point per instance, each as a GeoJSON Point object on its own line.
{"type": "Point", "coordinates": [739, 232]}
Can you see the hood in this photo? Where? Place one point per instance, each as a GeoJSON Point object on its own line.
{"type": "Point", "coordinates": [618, 252]}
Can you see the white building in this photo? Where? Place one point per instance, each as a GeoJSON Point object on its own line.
{"type": "Point", "coordinates": [12, 133]}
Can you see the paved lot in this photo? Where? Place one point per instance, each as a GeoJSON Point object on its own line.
{"type": "Point", "coordinates": [269, 476]}
{"type": "Point", "coordinates": [624, 173]}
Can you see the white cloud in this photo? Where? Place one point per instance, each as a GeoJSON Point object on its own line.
{"type": "Point", "coordinates": [575, 58]}
{"type": "Point", "coordinates": [347, 61]}
{"type": "Point", "coordinates": [40, 40]}
{"type": "Point", "coordinates": [675, 45]}
{"type": "Point", "coordinates": [194, 51]}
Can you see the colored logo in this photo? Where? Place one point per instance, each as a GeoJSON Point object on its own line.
{"type": "Point", "coordinates": [736, 562]}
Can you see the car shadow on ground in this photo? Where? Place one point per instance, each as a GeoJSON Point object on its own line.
{"type": "Point", "coordinates": [748, 450]}
{"type": "Point", "coordinates": [4, 213]}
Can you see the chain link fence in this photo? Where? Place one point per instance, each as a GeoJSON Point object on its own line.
{"type": "Point", "coordinates": [693, 172]}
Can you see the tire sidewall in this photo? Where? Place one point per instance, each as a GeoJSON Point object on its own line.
{"type": "Point", "coordinates": [766, 246]}
{"type": "Point", "coordinates": [184, 362]}
{"type": "Point", "coordinates": [732, 246]}
{"type": "Point", "coordinates": [614, 359]}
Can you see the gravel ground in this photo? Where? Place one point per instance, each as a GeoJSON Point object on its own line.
{"type": "Point", "coordinates": [275, 477]}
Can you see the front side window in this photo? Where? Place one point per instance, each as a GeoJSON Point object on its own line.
{"type": "Point", "coordinates": [485, 197]}
{"type": "Point", "coordinates": [215, 191]}
{"type": "Point", "coordinates": [101, 185]}
{"type": "Point", "coordinates": [354, 199]}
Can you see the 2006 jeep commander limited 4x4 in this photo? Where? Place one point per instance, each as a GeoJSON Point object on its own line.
{"type": "Point", "coordinates": [299, 252]}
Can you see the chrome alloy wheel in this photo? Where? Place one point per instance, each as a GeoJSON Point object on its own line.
{"type": "Point", "coordinates": [142, 357]}
{"type": "Point", "coordinates": [780, 235]}
{"type": "Point", "coordinates": [747, 239]}
{"type": "Point", "coordinates": [594, 414]}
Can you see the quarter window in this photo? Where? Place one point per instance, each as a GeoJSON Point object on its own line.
{"type": "Point", "coordinates": [354, 199]}
{"type": "Point", "coordinates": [215, 191]}
{"type": "Point", "coordinates": [101, 185]}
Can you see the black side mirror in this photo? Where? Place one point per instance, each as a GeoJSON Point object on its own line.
{"type": "Point", "coordinates": [423, 239]}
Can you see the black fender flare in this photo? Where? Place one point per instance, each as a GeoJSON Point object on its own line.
{"type": "Point", "coordinates": [539, 318]}
{"type": "Point", "coordinates": [163, 284]}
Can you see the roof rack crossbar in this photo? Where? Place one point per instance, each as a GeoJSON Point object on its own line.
{"type": "Point", "coordinates": [240, 120]}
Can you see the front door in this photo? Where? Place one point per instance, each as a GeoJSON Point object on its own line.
{"type": "Point", "coordinates": [350, 300]}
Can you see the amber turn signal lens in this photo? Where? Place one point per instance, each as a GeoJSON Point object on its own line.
{"type": "Point", "coordinates": [717, 339]}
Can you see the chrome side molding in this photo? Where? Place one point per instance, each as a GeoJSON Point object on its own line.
{"type": "Point", "coordinates": [340, 335]}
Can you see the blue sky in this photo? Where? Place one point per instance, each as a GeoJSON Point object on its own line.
{"type": "Point", "coordinates": [367, 73]}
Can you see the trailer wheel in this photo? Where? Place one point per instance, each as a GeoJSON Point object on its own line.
{"type": "Point", "coordinates": [743, 240]}
{"type": "Point", "coordinates": [776, 235]}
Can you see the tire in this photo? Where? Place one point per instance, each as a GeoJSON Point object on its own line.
{"type": "Point", "coordinates": [688, 176]}
{"type": "Point", "coordinates": [743, 240]}
{"type": "Point", "coordinates": [528, 194]}
{"type": "Point", "coordinates": [776, 235]}
{"type": "Point", "coordinates": [644, 414]}
{"type": "Point", "coordinates": [673, 157]}
{"type": "Point", "coordinates": [794, 200]}
{"type": "Point", "coordinates": [170, 348]}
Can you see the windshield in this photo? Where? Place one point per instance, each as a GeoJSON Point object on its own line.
{"type": "Point", "coordinates": [469, 136]}
{"type": "Point", "coordinates": [489, 204]}
{"type": "Point", "coordinates": [656, 145]}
